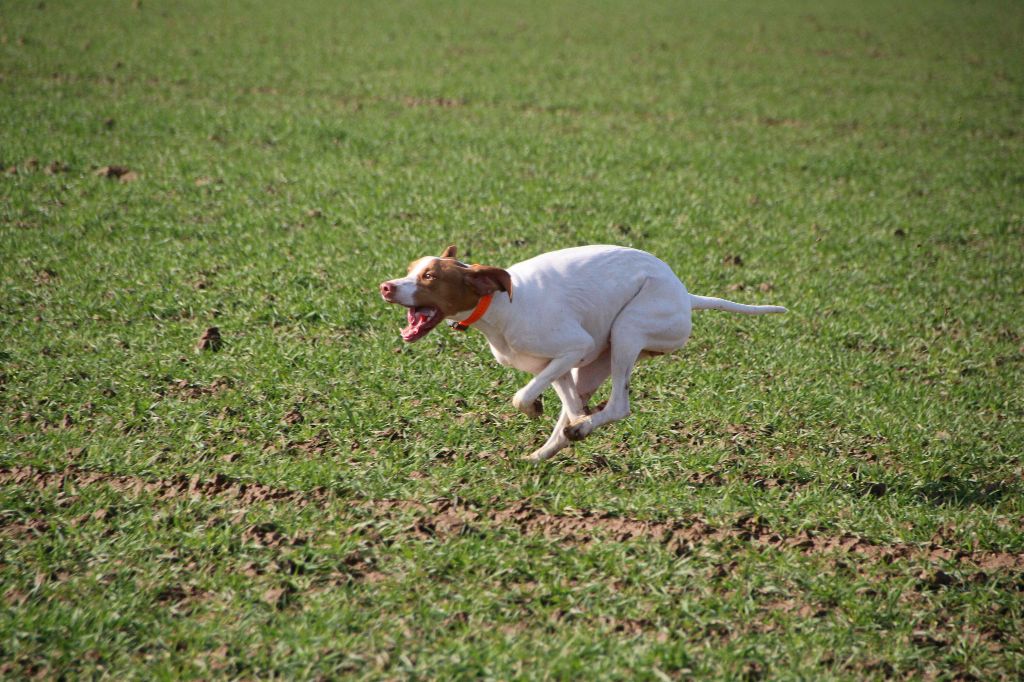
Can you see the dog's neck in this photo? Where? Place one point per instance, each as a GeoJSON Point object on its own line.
{"type": "Point", "coordinates": [493, 321]}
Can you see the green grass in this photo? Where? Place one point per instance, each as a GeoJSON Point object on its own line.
{"type": "Point", "coordinates": [864, 160]}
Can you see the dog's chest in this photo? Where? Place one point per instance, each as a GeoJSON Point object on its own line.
{"type": "Point", "coordinates": [508, 357]}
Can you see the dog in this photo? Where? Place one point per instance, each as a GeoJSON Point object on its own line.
{"type": "Point", "coordinates": [571, 318]}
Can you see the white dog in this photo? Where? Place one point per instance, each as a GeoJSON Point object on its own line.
{"type": "Point", "coordinates": [572, 318]}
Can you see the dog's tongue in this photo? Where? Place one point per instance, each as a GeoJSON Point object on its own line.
{"type": "Point", "coordinates": [421, 321]}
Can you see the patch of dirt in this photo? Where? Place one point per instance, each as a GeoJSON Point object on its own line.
{"type": "Point", "coordinates": [634, 627]}
{"type": "Point", "coordinates": [355, 568]}
{"type": "Point", "coordinates": [438, 102]}
{"type": "Point", "coordinates": [582, 527]}
{"type": "Point", "coordinates": [15, 597]}
{"type": "Point", "coordinates": [447, 521]}
{"type": "Point", "coordinates": [180, 599]}
{"type": "Point", "coordinates": [210, 340]}
{"type": "Point", "coordinates": [443, 519]}
{"type": "Point", "coordinates": [217, 485]}
{"type": "Point", "coordinates": [723, 476]}
{"type": "Point", "coordinates": [315, 446]}
{"type": "Point", "coordinates": [794, 606]}
{"type": "Point", "coordinates": [779, 122]}
{"type": "Point", "coordinates": [46, 276]}
{"type": "Point", "coordinates": [683, 536]}
{"type": "Point", "coordinates": [119, 173]}
{"type": "Point", "coordinates": [268, 535]}
{"type": "Point", "coordinates": [699, 434]}
{"type": "Point", "coordinates": [390, 434]}
{"type": "Point", "coordinates": [278, 595]}
{"type": "Point", "coordinates": [19, 529]}
{"type": "Point", "coordinates": [186, 390]}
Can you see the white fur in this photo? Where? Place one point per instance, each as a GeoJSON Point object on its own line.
{"type": "Point", "coordinates": [580, 315]}
{"type": "Point", "coordinates": [405, 287]}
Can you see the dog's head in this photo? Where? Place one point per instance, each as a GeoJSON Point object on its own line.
{"type": "Point", "coordinates": [440, 287]}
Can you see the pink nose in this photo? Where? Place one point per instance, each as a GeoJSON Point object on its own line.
{"type": "Point", "coordinates": [387, 290]}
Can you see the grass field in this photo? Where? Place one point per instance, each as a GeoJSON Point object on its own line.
{"type": "Point", "coordinates": [834, 493]}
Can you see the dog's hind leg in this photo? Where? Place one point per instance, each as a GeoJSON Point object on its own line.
{"type": "Point", "coordinates": [590, 377]}
{"type": "Point", "coordinates": [623, 357]}
{"type": "Point", "coordinates": [657, 320]}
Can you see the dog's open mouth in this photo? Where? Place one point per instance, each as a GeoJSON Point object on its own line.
{"type": "Point", "coordinates": [421, 321]}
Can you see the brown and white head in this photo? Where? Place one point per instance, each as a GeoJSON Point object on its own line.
{"type": "Point", "coordinates": [441, 287]}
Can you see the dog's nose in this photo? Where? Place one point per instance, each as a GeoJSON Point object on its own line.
{"type": "Point", "coordinates": [387, 289]}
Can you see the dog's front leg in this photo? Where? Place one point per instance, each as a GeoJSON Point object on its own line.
{"type": "Point", "coordinates": [572, 409]}
{"type": "Point", "coordinates": [525, 399]}
{"type": "Point", "coordinates": [555, 442]}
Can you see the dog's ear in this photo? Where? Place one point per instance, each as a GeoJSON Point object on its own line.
{"type": "Point", "coordinates": [449, 252]}
{"type": "Point", "coordinates": [486, 280]}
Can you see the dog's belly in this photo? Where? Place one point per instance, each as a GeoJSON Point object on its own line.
{"type": "Point", "coordinates": [535, 364]}
{"type": "Point", "coordinates": [520, 361]}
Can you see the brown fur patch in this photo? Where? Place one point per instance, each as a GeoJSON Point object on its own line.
{"type": "Point", "coordinates": [453, 287]}
{"type": "Point", "coordinates": [443, 284]}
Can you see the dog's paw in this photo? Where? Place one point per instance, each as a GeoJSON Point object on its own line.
{"type": "Point", "coordinates": [530, 409]}
{"type": "Point", "coordinates": [579, 429]}
{"type": "Point", "coordinates": [538, 456]}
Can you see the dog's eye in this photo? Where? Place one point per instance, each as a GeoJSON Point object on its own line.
{"type": "Point", "coordinates": [428, 275]}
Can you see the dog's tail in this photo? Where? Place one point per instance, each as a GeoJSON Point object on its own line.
{"type": "Point", "coordinates": [706, 302]}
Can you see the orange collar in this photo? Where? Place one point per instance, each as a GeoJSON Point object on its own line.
{"type": "Point", "coordinates": [478, 312]}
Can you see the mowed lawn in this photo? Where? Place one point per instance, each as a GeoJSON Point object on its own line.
{"type": "Point", "coordinates": [832, 493]}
